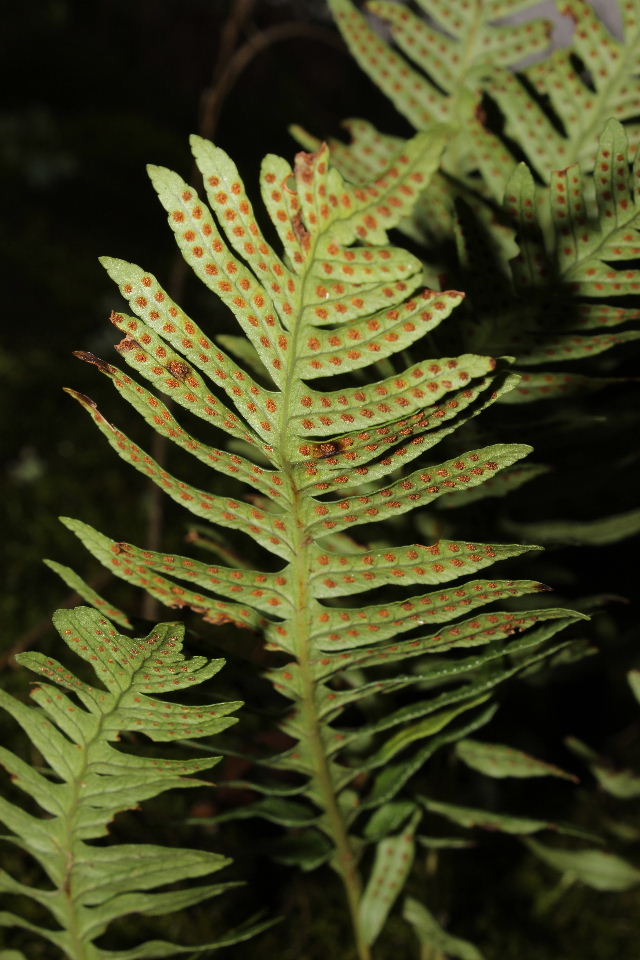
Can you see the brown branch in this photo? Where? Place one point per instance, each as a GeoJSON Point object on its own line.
{"type": "Point", "coordinates": [213, 98]}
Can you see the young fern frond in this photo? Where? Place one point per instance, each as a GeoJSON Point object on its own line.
{"type": "Point", "coordinates": [88, 781]}
{"type": "Point", "coordinates": [339, 300]}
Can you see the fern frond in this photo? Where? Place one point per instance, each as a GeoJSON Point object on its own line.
{"type": "Point", "coordinates": [457, 50]}
{"type": "Point", "coordinates": [454, 48]}
{"type": "Point", "coordinates": [431, 935]}
{"type": "Point", "coordinates": [580, 235]}
{"type": "Point", "coordinates": [462, 51]}
{"type": "Point", "coordinates": [594, 224]}
{"type": "Point", "coordinates": [338, 300]}
{"type": "Point", "coordinates": [89, 781]}
{"type": "Point", "coordinates": [594, 79]}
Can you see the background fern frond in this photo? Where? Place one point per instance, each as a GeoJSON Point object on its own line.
{"type": "Point", "coordinates": [583, 86]}
{"type": "Point", "coordinates": [88, 781]}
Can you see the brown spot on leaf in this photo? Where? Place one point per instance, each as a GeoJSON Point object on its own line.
{"type": "Point", "coordinates": [301, 232]}
{"type": "Point", "coordinates": [329, 448]}
{"type": "Point", "coordinates": [304, 164]}
{"type": "Point", "coordinates": [127, 343]}
{"type": "Point", "coordinates": [481, 115]}
{"type": "Point", "coordinates": [179, 369]}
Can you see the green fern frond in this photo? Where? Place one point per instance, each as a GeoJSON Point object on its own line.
{"type": "Point", "coordinates": [579, 237]}
{"type": "Point", "coordinates": [464, 50]}
{"type": "Point", "coordinates": [337, 301]}
{"type": "Point", "coordinates": [88, 782]}
{"type": "Point", "coordinates": [594, 79]}
{"type": "Point", "coordinates": [455, 50]}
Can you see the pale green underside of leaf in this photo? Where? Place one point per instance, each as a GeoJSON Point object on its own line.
{"type": "Point", "coordinates": [464, 52]}
{"type": "Point", "coordinates": [623, 784]}
{"type": "Point", "coordinates": [87, 593]}
{"type": "Point", "coordinates": [389, 819]}
{"type": "Point", "coordinates": [584, 99]}
{"type": "Point", "coordinates": [432, 936]}
{"type": "Point", "coordinates": [581, 229]}
{"type": "Point", "coordinates": [393, 861]}
{"type": "Point", "coordinates": [595, 868]}
{"type": "Point", "coordinates": [497, 760]}
{"type": "Point", "coordinates": [583, 232]}
{"type": "Point", "coordinates": [312, 463]}
{"type": "Point", "coordinates": [457, 49]}
{"type": "Point", "coordinates": [487, 820]}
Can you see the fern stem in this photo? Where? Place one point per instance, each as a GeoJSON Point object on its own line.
{"type": "Point", "coordinates": [345, 859]}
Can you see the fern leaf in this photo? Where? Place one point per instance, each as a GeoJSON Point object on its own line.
{"type": "Point", "coordinates": [92, 885]}
{"type": "Point", "coordinates": [590, 233]}
{"type": "Point", "coordinates": [345, 628]}
{"type": "Point", "coordinates": [496, 760]}
{"type": "Point", "coordinates": [594, 79]}
{"type": "Point", "coordinates": [433, 937]}
{"type": "Point", "coordinates": [443, 673]}
{"type": "Point", "coordinates": [595, 868]}
{"type": "Point", "coordinates": [459, 49]}
{"type": "Point", "coordinates": [395, 775]}
{"type": "Point", "coordinates": [425, 486]}
{"type": "Point", "coordinates": [336, 575]}
{"type": "Point", "coordinates": [461, 40]}
{"type": "Point", "coordinates": [167, 591]}
{"type": "Point", "coordinates": [337, 300]}
{"type": "Point", "coordinates": [393, 861]}
{"type": "Point", "coordinates": [486, 820]}
{"type": "Point", "coordinates": [87, 593]}
{"type": "Point", "coordinates": [417, 433]}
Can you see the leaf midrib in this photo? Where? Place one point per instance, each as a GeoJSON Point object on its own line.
{"type": "Point", "coordinates": [71, 816]}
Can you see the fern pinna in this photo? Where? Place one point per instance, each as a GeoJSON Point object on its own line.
{"type": "Point", "coordinates": [318, 462]}
{"type": "Point", "coordinates": [86, 782]}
